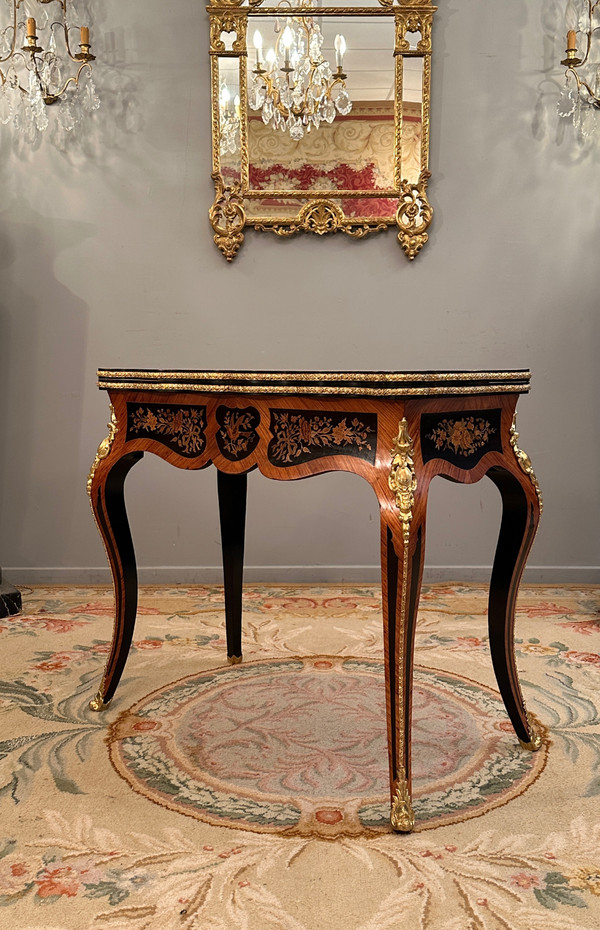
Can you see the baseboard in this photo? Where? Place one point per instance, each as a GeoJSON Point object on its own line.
{"type": "Point", "coordinates": [299, 574]}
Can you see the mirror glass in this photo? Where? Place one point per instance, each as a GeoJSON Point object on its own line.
{"type": "Point", "coordinates": [229, 118]}
{"type": "Point", "coordinates": [412, 117]}
{"type": "Point", "coordinates": [309, 102]}
{"type": "Point", "coordinates": [347, 143]}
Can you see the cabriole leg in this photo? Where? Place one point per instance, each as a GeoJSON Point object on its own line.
{"type": "Point", "coordinates": [402, 553]}
{"type": "Point", "coordinates": [108, 504]}
{"type": "Point", "coordinates": [402, 568]}
{"type": "Point", "coordinates": [520, 518]}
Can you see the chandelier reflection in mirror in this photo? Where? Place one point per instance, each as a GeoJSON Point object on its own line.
{"type": "Point", "coordinates": [294, 86]}
{"type": "Point", "coordinates": [581, 94]}
{"type": "Point", "coordinates": [229, 121]}
{"type": "Point", "coordinates": [37, 52]}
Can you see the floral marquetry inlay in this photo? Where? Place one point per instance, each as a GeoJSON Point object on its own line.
{"type": "Point", "coordinates": [181, 428]}
{"type": "Point", "coordinates": [237, 436]}
{"type": "Point", "coordinates": [299, 436]}
{"type": "Point", "coordinates": [463, 436]}
{"type": "Point", "coordinates": [461, 440]}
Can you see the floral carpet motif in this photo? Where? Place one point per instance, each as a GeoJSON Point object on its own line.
{"type": "Point", "coordinates": [80, 849]}
{"type": "Point", "coordinates": [299, 747]}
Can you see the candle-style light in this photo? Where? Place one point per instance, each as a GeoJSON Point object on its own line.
{"type": "Point", "coordinates": [31, 71]}
{"type": "Point", "coordinates": [287, 39]}
{"type": "Point", "coordinates": [296, 89]}
{"type": "Point", "coordinates": [258, 44]}
{"type": "Point", "coordinates": [572, 24]}
{"type": "Point", "coordinates": [340, 51]}
{"type": "Point", "coordinates": [581, 94]}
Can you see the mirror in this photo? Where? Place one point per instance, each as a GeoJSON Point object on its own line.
{"type": "Point", "coordinates": [320, 118]}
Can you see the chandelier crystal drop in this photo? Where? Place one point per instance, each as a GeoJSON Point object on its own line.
{"type": "Point", "coordinates": [581, 94]}
{"type": "Point", "coordinates": [293, 85]}
{"type": "Point", "coordinates": [34, 75]}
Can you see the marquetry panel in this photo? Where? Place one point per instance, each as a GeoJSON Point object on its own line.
{"type": "Point", "coordinates": [304, 435]}
{"type": "Point", "coordinates": [180, 427]}
{"type": "Point", "coordinates": [461, 438]}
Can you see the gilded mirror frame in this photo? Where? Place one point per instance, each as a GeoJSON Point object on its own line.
{"type": "Point", "coordinates": [318, 212]}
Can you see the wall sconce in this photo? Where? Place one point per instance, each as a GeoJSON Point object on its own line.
{"type": "Point", "coordinates": [581, 94]}
{"type": "Point", "coordinates": [33, 73]}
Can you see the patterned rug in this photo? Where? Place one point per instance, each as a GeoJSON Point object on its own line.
{"type": "Point", "coordinates": [210, 797]}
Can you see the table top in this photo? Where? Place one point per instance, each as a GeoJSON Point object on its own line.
{"type": "Point", "coordinates": [342, 383]}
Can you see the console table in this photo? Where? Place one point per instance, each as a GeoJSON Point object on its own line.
{"type": "Point", "coordinates": [396, 429]}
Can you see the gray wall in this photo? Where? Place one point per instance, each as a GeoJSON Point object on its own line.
{"type": "Point", "coordinates": [106, 259]}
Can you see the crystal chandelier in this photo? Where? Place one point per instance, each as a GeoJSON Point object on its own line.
{"type": "Point", "coordinates": [581, 94]}
{"type": "Point", "coordinates": [294, 86]}
{"type": "Point", "coordinates": [229, 121]}
{"type": "Point", "coordinates": [33, 73]}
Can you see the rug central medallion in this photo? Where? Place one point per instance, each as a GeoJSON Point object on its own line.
{"type": "Point", "coordinates": [298, 746]}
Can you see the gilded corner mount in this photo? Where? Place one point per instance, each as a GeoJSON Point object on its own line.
{"type": "Point", "coordinates": [525, 462]}
{"type": "Point", "coordinates": [104, 448]}
{"type": "Point", "coordinates": [403, 480]}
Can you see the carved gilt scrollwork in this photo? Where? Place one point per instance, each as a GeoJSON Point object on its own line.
{"type": "Point", "coordinates": [387, 4]}
{"type": "Point", "coordinates": [413, 21]}
{"type": "Point", "coordinates": [218, 4]}
{"type": "Point", "coordinates": [228, 22]}
{"type": "Point", "coordinates": [227, 217]}
{"type": "Point", "coordinates": [414, 215]}
{"type": "Point", "coordinates": [322, 217]}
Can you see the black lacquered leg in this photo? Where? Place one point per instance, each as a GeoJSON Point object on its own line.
{"type": "Point", "coordinates": [108, 504]}
{"type": "Point", "coordinates": [520, 517]}
{"type": "Point", "coordinates": [232, 512]}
